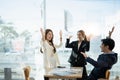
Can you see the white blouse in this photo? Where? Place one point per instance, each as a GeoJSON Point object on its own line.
{"type": "Point", "coordinates": [50, 58]}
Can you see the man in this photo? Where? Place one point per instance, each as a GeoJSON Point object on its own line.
{"type": "Point", "coordinates": [104, 62]}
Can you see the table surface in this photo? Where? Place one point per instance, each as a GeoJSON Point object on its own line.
{"type": "Point", "coordinates": [73, 72]}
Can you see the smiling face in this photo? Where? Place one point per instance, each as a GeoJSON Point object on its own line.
{"type": "Point", "coordinates": [81, 35]}
{"type": "Point", "coordinates": [107, 45]}
{"type": "Point", "coordinates": [103, 47]}
{"type": "Point", "coordinates": [48, 35]}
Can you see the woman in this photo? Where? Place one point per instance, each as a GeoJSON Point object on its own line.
{"type": "Point", "coordinates": [49, 49]}
{"type": "Point", "coordinates": [76, 58]}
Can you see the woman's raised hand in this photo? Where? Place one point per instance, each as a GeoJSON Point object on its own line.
{"type": "Point", "coordinates": [70, 37]}
{"type": "Point", "coordinates": [42, 33]}
{"type": "Point", "coordinates": [60, 33]}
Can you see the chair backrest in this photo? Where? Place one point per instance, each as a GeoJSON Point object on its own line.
{"type": "Point", "coordinates": [27, 72]}
{"type": "Point", "coordinates": [107, 75]}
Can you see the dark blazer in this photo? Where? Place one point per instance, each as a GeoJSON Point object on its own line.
{"type": "Point", "coordinates": [76, 58]}
{"type": "Point", "coordinates": [103, 63]}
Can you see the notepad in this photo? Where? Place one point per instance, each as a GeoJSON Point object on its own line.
{"type": "Point", "coordinates": [62, 73]}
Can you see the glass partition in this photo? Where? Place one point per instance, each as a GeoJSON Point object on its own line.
{"type": "Point", "coordinates": [20, 23]}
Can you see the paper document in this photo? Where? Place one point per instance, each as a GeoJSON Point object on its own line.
{"type": "Point", "coordinates": [65, 71]}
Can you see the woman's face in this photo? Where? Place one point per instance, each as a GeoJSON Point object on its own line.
{"type": "Point", "coordinates": [49, 36]}
{"type": "Point", "coordinates": [80, 36]}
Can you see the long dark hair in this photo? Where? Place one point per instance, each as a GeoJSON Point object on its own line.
{"type": "Point", "coordinates": [46, 32]}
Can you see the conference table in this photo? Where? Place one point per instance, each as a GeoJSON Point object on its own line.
{"type": "Point", "coordinates": [64, 73]}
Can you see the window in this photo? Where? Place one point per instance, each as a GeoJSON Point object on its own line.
{"type": "Point", "coordinates": [20, 23]}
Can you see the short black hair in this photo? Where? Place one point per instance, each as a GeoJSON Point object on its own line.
{"type": "Point", "coordinates": [109, 42]}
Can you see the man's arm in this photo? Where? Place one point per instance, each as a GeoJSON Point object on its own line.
{"type": "Point", "coordinates": [110, 32]}
{"type": "Point", "coordinates": [93, 62]}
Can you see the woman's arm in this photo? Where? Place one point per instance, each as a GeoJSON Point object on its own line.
{"type": "Point", "coordinates": [42, 40]}
{"type": "Point", "coordinates": [42, 34]}
{"type": "Point", "coordinates": [68, 44]}
{"type": "Point", "coordinates": [87, 48]}
{"type": "Point", "coordinates": [87, 42]}
{"type": "Point", "coordinates": [60, 33]}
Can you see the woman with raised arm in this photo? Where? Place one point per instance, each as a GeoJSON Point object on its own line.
{"type": "Point", "coordinates": [76, 58]}
{"type": "Point", "coordinates": [49, 49]}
